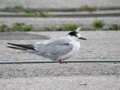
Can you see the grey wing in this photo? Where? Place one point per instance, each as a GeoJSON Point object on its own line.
{"type": "Point", "coordinates": [57, 48]}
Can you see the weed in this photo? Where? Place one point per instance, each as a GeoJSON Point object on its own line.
{"type": "Point", "coordinates": [28, 10]}
{"type": "Point", "coordinates": [67, 27]}
{"type": "Point", "coordinates": [49, 28]}
{"type": "Point", "coordinates": [21, 27]}
{"type": "Point", "coordinates": [87, 8]}
{"type": "Point", "coordinates": [42, 14]}
{"type": "Point", "coordinates": [115, 27]}
{"type": "Point", "coordinates": [3, 28]}
{"type": "Point", "coordinates": [86, 29]}
{"type": "Point", "coordinates": [27, 28]}
{"type": "Point", "coordinates": [14, 9]}
{"type": "Point", "coordinates": [29, 14]}
{"type": "Point", "coordinates": [98, 24]}
{"type": "Point", "coordinates": [18, 9]}
{"type": "Point", "coordinates": [17, 26]}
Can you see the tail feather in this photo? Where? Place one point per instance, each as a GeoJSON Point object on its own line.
{"type": "Point", "coordinates": [16, 48]}
{"type": "Point", "coordinates": [24, 46]}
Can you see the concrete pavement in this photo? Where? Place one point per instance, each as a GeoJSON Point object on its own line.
{"type": "Point", "coordinates": [62, 83]}
{"type": "Point", "coordinates": [59, 3]}
{"type": "Point", "coordinates": [101, 45]}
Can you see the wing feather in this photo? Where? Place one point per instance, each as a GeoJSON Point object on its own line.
{"type": "Point", "coordinates": [55, 49]}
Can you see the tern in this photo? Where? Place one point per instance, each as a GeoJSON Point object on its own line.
{"type": "Point", "coordinates": [58, 49]}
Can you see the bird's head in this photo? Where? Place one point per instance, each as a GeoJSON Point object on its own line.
{"type": "Point", "coordinates": [75, 34]}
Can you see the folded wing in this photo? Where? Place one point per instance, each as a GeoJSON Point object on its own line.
{"type": "Point", "coordinates": [54, 49]}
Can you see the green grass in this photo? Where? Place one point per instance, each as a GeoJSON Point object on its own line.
{"type": "Point", "coordinates": [64, 27]}
{"type": "Point", "coordinates": [42, 14]}
{"type": "Point", "coordinates": [67, 27]}
{"type": "Point", "coordinates": [29, 14]}
{"type": "Point", "coordinates": [22, 8]}
{"type": "Point", "coordinates": [98, 24]}
{"type": "Point", "coordinates": [16, 27]}
{"type": "Point", "coordinates": [28, 11]}
{"type": "Point", "coordinates": [18, 9]}
{"type": "Point", "coordinates": [14, 9]}
{"type": "Point", "coordinates": [21, 27]}
{"type": "Point", "coordinates": [3, 28]}
{"type": "Point", "coordinates": [49, 28]}
{"type": "Point", "coordinates": [86, 29]}
{"type": "Point", "coordinates": [87, 8]}
{"type": "Point", "coordinates": [28, 28]}
{"type": "Point", "coordinates": [114, 27]}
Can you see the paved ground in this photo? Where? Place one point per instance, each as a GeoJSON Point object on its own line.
{"type": "Point", "coordinates": [101, 45]}
{"type": "Point", "coordinates": [39, 23]}
{"type": "Point", "coordinates": [62, 83]}
{"type": "Point", "coordinates": [59, 3]}
{"type": "Point", "coordinates": [109, 13]}
{"type": "Point", "coordinates": [20, 36]}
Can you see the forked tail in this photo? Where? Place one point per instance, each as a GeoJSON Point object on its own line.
{"type": "Point", "coordinates": [21, 46]}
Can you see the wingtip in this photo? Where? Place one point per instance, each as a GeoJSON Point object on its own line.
{"type": "Point", "coordinates": [9, 43]}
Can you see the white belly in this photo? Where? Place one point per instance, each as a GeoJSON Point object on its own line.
{"type": "Point", "coordinates": [74, 51]}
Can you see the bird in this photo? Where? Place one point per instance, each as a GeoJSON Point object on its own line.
{"type": "Point", "coordinates": [56, 49]}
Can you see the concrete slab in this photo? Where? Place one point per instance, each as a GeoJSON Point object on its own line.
{"type": "Point", "coordinates": [59, 3]}
{"type": "Point", "coordinates": [40, 23]}
{"type": "Point", "coordinates": [102, 45]}
{"type": "Point", "coordinates": [62, 83]}
{"type": "Point", "coordinates": [20, 36]}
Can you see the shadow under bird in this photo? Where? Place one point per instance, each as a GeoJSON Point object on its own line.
{"type": "Point", "coordinates": [57, 49]}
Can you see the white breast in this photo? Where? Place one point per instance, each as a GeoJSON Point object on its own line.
{"type": "Point", "coordinates": [76, 47]}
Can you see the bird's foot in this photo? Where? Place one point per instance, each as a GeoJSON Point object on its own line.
{"type": "Point", "coordinates": [60, 62]}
